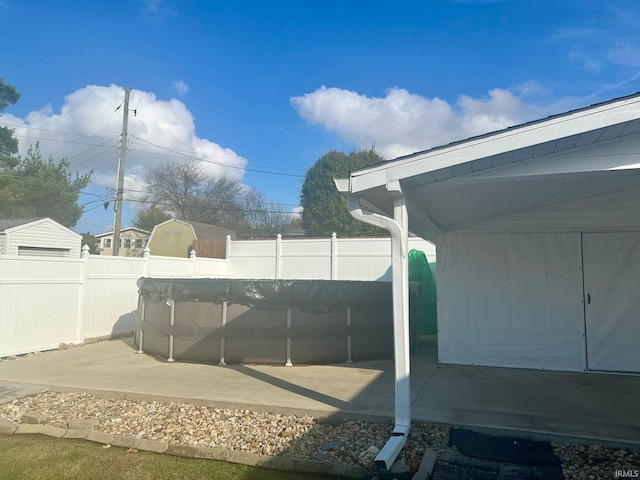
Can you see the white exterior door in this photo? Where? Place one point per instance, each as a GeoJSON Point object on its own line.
{"type": "Point", "coordinates": [612, 300]}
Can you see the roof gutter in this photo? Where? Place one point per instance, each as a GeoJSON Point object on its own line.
{"type": "Point", "coordinates": [398, 229]}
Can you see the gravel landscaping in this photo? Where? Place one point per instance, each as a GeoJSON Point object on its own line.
{"type": "Point", "coordinates": [348, 442]}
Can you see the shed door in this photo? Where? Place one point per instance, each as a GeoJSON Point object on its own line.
{"type": "Point", "coordinates": [612, 300]}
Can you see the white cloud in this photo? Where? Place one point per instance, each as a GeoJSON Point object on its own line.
{"type": "Point", "coordinates": [590, 62]}
{"type": "Point", "coordinates": [612, 44]}
{"type": "Point", "coordinates": [87, 131]}
{"type": "Point", "coordinates": [157, 9]}
{"type": "Point", "coordinates": [180, 86]}
{"type": "Point", "coordinates": [401, 122]}
{"type": "Point", "coordinates": [626, 53]}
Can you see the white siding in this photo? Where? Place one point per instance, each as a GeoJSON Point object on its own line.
{"type": "Point", "coordinates": [44, 234]}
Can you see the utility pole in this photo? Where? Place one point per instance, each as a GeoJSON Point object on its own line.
{"type": "Point", "coordinates": [123, 157]}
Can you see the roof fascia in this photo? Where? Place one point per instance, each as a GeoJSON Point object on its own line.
{"type": "Point", "coordinates": [40, 221]}
{"type": "Point", "coordinates": [527, 135]}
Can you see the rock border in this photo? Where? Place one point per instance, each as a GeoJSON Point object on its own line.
{"type": "Point", "coordinates": [35, 423]}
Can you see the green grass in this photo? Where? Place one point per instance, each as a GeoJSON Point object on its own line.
{"type": "Point", "coordinates": [27, 457]}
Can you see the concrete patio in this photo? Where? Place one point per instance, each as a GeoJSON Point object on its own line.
{"type": "Point", "coordinates": [601, 408]}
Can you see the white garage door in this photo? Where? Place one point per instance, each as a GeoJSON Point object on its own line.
{"type": "Point", "coordinates": [612, 300]}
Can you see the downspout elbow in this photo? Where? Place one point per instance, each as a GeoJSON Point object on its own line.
{"type": "Point", "coordinates": [389, 224]}
{"type": "Point", "coordinates": [394, 445]}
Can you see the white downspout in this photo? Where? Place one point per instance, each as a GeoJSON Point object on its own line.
{"type": "Point", "coordinates": [398, 229]}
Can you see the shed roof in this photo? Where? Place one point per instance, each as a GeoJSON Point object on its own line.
{"type": "Point", "coordinates": [205, 231]}
{"type": "Point", "coordinates": [127, 229]}
{"type": "Point", "coordinates": [7, 223]}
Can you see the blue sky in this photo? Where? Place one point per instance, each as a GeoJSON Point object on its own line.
{"type": "Point", "coordinates": [260, 90]}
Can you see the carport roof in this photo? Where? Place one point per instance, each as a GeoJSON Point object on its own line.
{"type": "Point", "coordinates": [556, 159]}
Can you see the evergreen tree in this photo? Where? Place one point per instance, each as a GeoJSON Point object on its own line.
{"type": "Point", "coordinates": [324, 208]}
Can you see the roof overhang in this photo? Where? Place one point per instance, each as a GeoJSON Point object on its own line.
{"type": "Point", "coordinates": [577, 155]}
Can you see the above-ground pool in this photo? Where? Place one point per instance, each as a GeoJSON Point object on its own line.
{"type": "Point", "coordinates": [265, 321]}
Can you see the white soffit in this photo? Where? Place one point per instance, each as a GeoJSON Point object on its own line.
{"type": "Point", "coordinates": [450, 204]}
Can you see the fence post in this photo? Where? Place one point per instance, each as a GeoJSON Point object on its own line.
{"type": "Point", "coordinates": [278, 255]}
{"type": "Point", "coordinates": [334, 258]}
{"type": "Point", "coordinates": [192, 256]}
{"type": "Point", "coordinates": [146, 254]}
{"type": "Point", "coordinates": [84, 256]}
{"type": "Point", "coordinates": [227, 255]}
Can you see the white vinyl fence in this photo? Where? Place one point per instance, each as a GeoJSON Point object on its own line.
{"type": "Point", "coordinates": [317, 258]}
{"type": "Point", "coordinates": [48, 301]}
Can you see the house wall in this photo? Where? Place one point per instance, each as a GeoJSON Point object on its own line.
{"type": "Point", "coordinates": [131, 251]}
{"type": "Point", "coordinates": [44, 235]}
{"type": "Point", "coordinates": [171, 239]}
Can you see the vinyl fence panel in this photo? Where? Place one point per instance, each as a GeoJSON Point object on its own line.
{"type": "Point", "coordinates": [40, 301]}
{"type": "Point", "coordinates": [48, 301]}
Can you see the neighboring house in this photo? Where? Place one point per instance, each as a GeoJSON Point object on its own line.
{"type": "Point", "coordinates": [537, 229]}
{"type": "Point", "coordinates": [176, 238]}
{"type": "Point", "coordinates": [38, 237]}
{"type": "Point", "coordinates": [132, 242]}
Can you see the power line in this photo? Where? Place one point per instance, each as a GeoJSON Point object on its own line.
{"type": "Point", "coordinates": [54, 140]}
{"type": "Point", "coordinates": [187, 156]}
{"type": "Point", "coordinates": [62, 132]}
{"type": "Point", "coordinates": [220, 163]}
{"type": "Point", "coordinates": [176, 153]}
{"type": "Point", "coordinates": [131, 190]}
{"type": "Point", "coordinates": [224, 209]}
{"type": "Point", "coordinates": [54, 63]}
{"type": "Point", "coordinates": [84, 164]}
{"type": "Point", "coordinates": [190, 105]}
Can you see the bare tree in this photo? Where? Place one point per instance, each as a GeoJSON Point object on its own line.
{"type": "Point", "coordinates": [264, 218]}
{"type": "Point", "coordinates": [184, 190]}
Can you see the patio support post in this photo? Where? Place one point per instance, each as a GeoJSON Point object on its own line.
{"type": "Point", "coordinates": [288, 363]}
{"type": "Point", "coordinates": [349, 357]}
{"type": "Point", "coordinates": [222, 328]}
{"type": "Point", "coordinates": [398, 229]}
{"type": "Point", "coordinates": [141, 307]}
